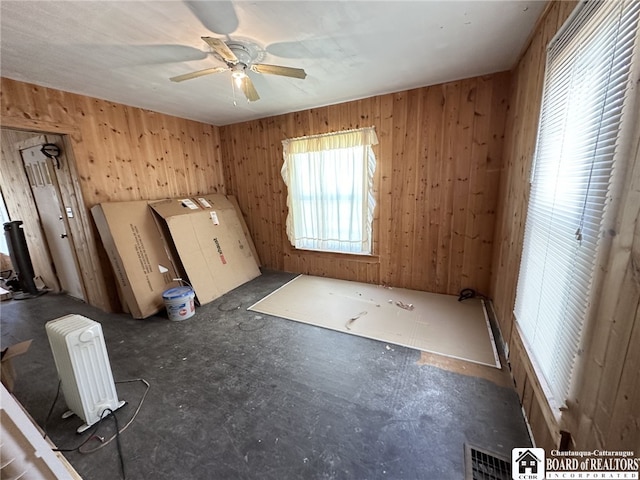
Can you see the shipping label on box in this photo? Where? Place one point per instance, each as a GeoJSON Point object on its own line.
{"type": "Point", "coordinates": [137, 254]}
{"type": "Point", "coordinates": [211, 242]}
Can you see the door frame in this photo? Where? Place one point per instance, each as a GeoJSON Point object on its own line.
{"type": "Point", "coordinates": [69, 194]}
{"type": "Point", "coordinates": [91, 258]}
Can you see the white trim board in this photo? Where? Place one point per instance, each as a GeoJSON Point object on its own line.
{"type": "Point", "coordinates": [436, 323]}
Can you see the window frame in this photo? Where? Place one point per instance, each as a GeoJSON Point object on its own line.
{"type": "Point", "coordinates": [311, 148]}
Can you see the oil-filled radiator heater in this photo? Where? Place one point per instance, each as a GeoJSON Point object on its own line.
{"type": "Point", "coordinates": [83, 367]}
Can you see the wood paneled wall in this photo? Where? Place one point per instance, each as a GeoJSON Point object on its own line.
{"type": "Point", "coordinates": [437, 178]}
{"type": "Point", "coordinates": [605, 412]}
{"type": "Point", "coordinates": [606, 409]}
{"type": "Point", "coordinates": [121, 153]}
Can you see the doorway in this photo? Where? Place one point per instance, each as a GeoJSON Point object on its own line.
{"type": "Point", "coordinates": [33, 193]}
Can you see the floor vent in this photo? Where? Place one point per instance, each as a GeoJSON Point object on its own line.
{"type": "Point", "coordinates": [483, 465]}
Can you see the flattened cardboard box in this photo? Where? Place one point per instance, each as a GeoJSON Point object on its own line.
{"type": "Point", "coordinates": [137, 254]}
{"type": "Point", "coordinates": [7, 372]}
{"type": "Point", "coordinates": [208, 235]}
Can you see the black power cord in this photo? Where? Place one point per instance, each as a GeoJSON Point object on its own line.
{"type": "Point", "coordinates": [55, 400]}
{"type": "Point", "coordinates": [93, 434]}
{"type": "Point", "coordinates": [467, 293]}
{"type": "Point", "coordinates": [118, 446]}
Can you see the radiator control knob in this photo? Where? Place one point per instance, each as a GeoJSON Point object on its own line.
{"type": "Point", "coordinates": [86, 336]}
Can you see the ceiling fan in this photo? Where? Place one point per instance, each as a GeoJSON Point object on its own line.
{"type": "Point", "coordinates": [239, 59]}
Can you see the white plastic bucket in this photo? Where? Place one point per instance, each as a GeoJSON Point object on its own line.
{"type": "Point", "coordinates": [179, 303]}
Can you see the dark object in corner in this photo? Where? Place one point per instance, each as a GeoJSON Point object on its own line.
{"type": "Point", "coordinates": [19, 253]}
{"type": "Point", "coordinates": [466, 293]}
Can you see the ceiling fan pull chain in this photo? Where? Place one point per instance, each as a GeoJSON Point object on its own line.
{"type": "Point", "coordinates": [233, 89]}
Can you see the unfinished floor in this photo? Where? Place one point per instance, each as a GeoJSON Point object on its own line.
{"type": "Point", "coordinates": [239, 395]}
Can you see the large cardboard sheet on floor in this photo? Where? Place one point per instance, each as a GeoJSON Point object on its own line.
{"type": "Point", "coordinates": [425, 321]}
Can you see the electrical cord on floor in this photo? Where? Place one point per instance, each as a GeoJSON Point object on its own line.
{"type": "Point", "coordinates": [467, 293]}
{"type": "Point", "coordinates": [118, 446]}
{"type": "Point", "coordinates": [55, 400]}
{"type": "Point", "coordinates": [133, 417]}
{"type": "Point", "coordinates": [93, 435]}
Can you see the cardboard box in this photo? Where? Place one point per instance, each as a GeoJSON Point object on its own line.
{"type": "Point", "coordinates": [137, 254]}
{"type": "Point", "coordinates": [207, 235]}
{"type": "Point", "coordinates": [7, 372]}
{"type": "Point", "coordinates": [245, 229]}
{"type": "Point", "coordinates": [5, 262]}
{"type": "Point", "coordinates": [5, 294]}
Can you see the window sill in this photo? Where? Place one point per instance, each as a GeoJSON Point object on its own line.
{"type": "Point", "coordinates": [350, 257]}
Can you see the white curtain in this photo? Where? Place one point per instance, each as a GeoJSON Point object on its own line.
{"type": "Point", "coordinates": [330, 190]}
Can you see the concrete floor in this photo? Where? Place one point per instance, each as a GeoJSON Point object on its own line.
{"type": "Point", "coordinates": [239, 395]}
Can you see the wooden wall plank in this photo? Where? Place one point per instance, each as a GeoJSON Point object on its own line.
{"type": "Point", "coordinates": [424, 159]}
{"type": "Point", "coordinates": [546, 423]}
{"type": "Point", "coordinates": [121, 153]}
{"type": "Point", "coordinates": [401, 166]}
{"type": "Point", "coordinates": [478, 187]}
{"type": "Point", "coordinates": [435, 186]}
{"type": "Point", "coordinates": [500, 109]}
{"type": "Point", "coordinates": [420, 194]}
{"type": "Point", "coordinates": [384, 167]}
{"type": "Point", "coordinates": [622, 427]}
{"type": "Point", "coordinates": [620, 334]}
{"type": "Point", "coordinates": [444, 200]}
{"type": "Point", "coordinates": [463, 197]}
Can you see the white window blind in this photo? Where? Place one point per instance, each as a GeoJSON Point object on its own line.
{"type": "Point", "coordinates": [586, 79]}
{"type": "Point", "coordinates": [330, 191]}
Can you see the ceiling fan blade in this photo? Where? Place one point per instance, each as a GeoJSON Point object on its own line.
{"type": "Point", "coordinates": [221, 49]}
{"type": "Point", "coordinates": [279, 70]}
{"type": "Point", "coordinates": [249, 90]}
{"type": "Point", "coordinates": [199, 73]}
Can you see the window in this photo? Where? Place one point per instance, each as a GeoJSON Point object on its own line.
{"type": "Point", "coordinates": [330, 182]}
{"type": "Point", "coordinates": [587, 75]}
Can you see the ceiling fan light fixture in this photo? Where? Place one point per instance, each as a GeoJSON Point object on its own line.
{"type": "Point", "coordinates": [237, 78]}
{"type": "Point", "coordinates": [238, 74]}
{"type": "Point", "coordinates": [238, 58]}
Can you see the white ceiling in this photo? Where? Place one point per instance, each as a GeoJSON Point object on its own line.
{"type": "Point", "coordinates": [127, 51]}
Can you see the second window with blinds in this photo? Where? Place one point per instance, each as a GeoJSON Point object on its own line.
{"type": "Point", "coordinates": [587, 79]}
{"type": "Point", "coordinates": [330, 191]}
